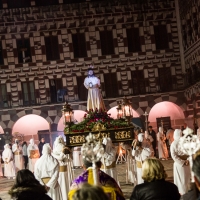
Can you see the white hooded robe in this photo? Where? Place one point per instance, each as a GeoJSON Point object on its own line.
{"type": "Point", "coordinates": [182, 173]}
{"type": "Point", "coordinates": [9, 167]}
{"type": "Point", "coordinates": [66, 175]}
{"type": "Point", "coordinates": [18, 157]}
{"type": "Point", "coordinates": [31, 161]}
{"type": "Point", "coordinates": [48, 166]}
{"type": "Point", "coordinates": [140, 155]}
{"type": "Point", "coordinates": [109, 159]}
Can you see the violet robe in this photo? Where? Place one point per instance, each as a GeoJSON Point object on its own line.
{"type": "Point", "coordinates": [108, 184]}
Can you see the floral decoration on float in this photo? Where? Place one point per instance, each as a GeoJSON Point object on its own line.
{"type": "Point", "coordinates": [92, 117]}
{"type": "Point", "coordinates": [100, 124]}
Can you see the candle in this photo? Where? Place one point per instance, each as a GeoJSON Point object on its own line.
{"type": "Point", "coordinates": [67, 117]}
{"type": "Point", "coordinates": [120, 114]}
{"type": "Point", "coordinates": [127, 112]}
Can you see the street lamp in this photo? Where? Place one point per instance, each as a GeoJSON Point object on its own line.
{"type": "Point", "coordinates": [68, 115]}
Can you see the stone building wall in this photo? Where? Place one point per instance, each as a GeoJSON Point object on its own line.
{"type": "Point", "coordinates": [36, 23]}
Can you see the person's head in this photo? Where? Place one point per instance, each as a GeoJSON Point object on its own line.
{"type": "Point", "coordinates": [150, 128]}
{"type": "Point", "coordinates": [42, 140]}
{"type": "Point", "coordinates": [66, 150]}
{"type": "Point", "coordinates": [196, 170]}
{"type": "Point", "coordinates": [136, 131]}
{"type": "Point", "coordinates": [24, 143]}
{"type": "Point", "coordinates": [177, 134]}
{"type": "Point", "coordinates": [87, 164]}
{"type": "Point", "coordinates": [16, 141]}
{"type": "Point", "coordinates": [6, 146]}
{"type": "Point", "coordinates": [160, 129]}
{"type": "Point", "coordinates": [60, 139]}
{"type": "Point", "coordinates": [152, 169]}
{"type": "Point", "coordinates": [108, 145]}
{"type": "Point", "coordinates": [32, 141]}
{"type": "Point", "coordinates": [140, 138]}
{"type": "Point", "coordinates": [89, 192]}
{"type": "Point", "coordinates": [90, 70]}
{"type": "Point", "coordinates": [25, 177]}
{"type": "Point", "coordinates": [46, 149]}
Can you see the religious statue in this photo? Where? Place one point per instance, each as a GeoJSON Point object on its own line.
{"type": "Point", "coordinates": [92, 83]}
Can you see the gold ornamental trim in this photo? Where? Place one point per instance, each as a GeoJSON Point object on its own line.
{"type": "Point", "coordinates": [79, 139]}
{"type": "Point", "coordinates": [63, 168]}
{"type": "Point", "coordinates": [123, 135]}
{"type": "Point", "coordinates": [99, 127]}
{"type": "Point", "coordinates": [138, 164]}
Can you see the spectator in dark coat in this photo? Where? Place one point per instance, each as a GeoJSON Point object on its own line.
{"type": "Point", "coordinates": [153, 135]}
{"type": "Point", "coordinates": [154, 186]}
{"type": "Point", "coordinates": [40, 145]}
{"type": "Point", "coordinates": [196, 170]}
{"type": "Point", "coordinates": [26, 187]}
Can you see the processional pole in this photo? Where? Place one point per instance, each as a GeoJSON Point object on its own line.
{"type": "Point", "coordinates": [93, 151]}
{"type": "Point", "coordinates": [146, 120]}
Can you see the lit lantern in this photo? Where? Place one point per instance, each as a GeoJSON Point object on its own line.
{"type": "Point", "coordinates": [119, 111]}
{"type": "Point", "coordinates": [68, 114]}
{"type": "Point", "coordinates": [127, 109]}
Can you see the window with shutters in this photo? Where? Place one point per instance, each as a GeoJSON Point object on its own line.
{"type": "Point", "coordinates": [18, 3]}
{"type": "Point", "coordinates": [3, 96]}
{"type": "Point", "coordinates": [165, 79]}
{"type": "Point", "coordinates": [111, 85]}
{"type": "Point", "coordinates": [82, 91]}
{"type": "Point", "coordinates": [52, 50]}
{"type": "Point", "coordinates": [161, 37]}
{"type": "Point", "coordinates": [58, 93]}
{"type": "Point", "coordinates": [106, 40]}
{"type": "Point", "coordinates": [28, 93]}
{"type": "Point", "coordinates": [79, 45]}
{"type": "Point", "coordinates": [138, 82]}
{"type": "Point", "coordinates": [24, 50]}
{"type": "Point", "coordinates": [133, 39]}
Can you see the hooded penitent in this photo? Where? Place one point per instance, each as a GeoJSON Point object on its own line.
{"type": "Point", "coordinates": [46, 161]}
{"type": "Point", "coordinates": [58, 145]}
{"type": "Point", "coordinates": [32, 141]}
{"type": "Point", "coordinates": [108, 143]}
{"type": "Point", "coordinates": [140, 137]}
{"type": "Point", "coordinates": [177, 134]}
{"type": "Point", "coordinates": [7, 150]}
{"type": "Point", "coordinates": [160, 129]}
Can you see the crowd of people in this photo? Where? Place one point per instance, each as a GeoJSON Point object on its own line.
{"type": "Point", "coordinates": [42, 172]}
